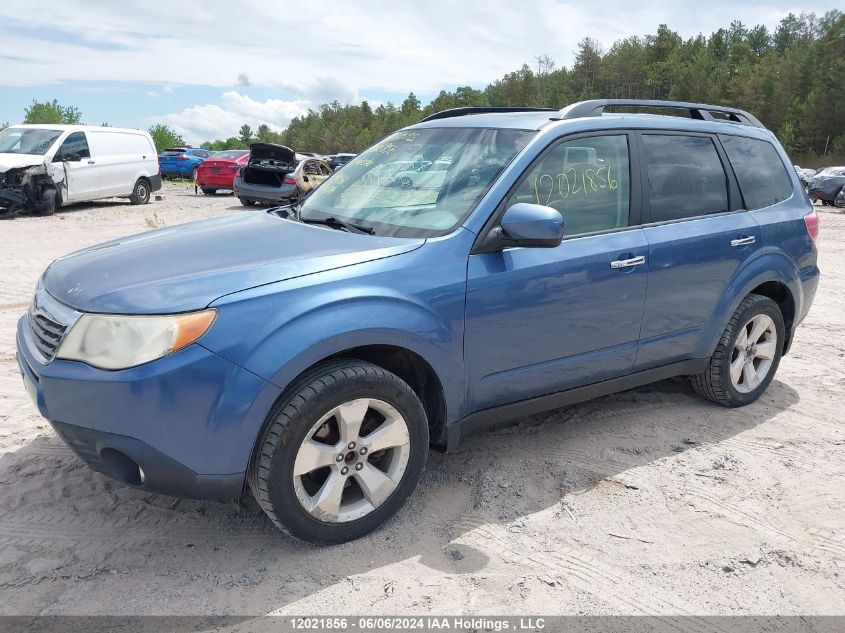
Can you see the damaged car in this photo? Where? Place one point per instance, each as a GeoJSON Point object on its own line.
{"type": "Point", "coordinates": [275, 174]}
{"type": "Point", "coordinates": [826, 184]}
{"type": "Point", "coordinates": [43, 167]}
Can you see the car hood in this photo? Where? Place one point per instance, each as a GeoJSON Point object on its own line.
{"type": "Point", "coordinates": [10, 161]}
{"type": "Point", "coordinates": [187, 267]}
{"type": "Point", "coordinates": [271, 151]}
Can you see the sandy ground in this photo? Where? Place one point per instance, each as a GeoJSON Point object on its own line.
{"type": "Point", "coordinates": [646, 502]}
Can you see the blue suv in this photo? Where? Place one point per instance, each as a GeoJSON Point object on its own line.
{"type": "Point", "coordinates": [314, 352]}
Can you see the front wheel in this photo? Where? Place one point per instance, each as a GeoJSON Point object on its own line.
{"type": "Point", "coordinates": [747, 356]}
{"type": "Point", "coordinates": [341, 452]}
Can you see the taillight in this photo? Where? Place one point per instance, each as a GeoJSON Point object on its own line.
{"type": "Point", "coordinates": [290, 181]}
{"type": "Point", "coordinates": [811, 220]}
{"type": "Point", "coordinates": [183, 157]}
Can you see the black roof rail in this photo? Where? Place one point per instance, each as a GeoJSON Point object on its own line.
{"type": "Point", "coordinates": [701, 111]}
{"type": "Point", "coordinates": [448, 114]}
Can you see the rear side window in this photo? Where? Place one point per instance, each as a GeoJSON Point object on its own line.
{"type": "Point", "coordinates": [685, 176]}
{"type": "Point", "coordinates": [762, 177]}
{"type": "Point", "coordinates": [586, 179]}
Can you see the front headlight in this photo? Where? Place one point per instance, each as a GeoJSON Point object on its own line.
{"type": "Point", "coordinates": [112, 341]}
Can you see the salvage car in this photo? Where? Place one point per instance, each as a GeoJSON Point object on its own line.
{"type": "Point", "coordinates": [826, 184]}
{"type": "Point", "coordinates": [804, 175]}
{"type": "Point", "coordinates": [339, 160]}
{"type": "Point", "coordinates": [43, 167]}
{"type": "Point", "coordinates": [839, 201]}
{"type": "Point", "coordinates": [274, 175]}
{"type": "Point", "coordinates": [311, 354]}
{"type": "Point", "coordinates": [218, 171]}
{"type": "Point", "coordinates": [183, 162]}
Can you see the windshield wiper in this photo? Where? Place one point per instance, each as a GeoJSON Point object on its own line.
{"type": "Point", "coordinates": [339, 224]}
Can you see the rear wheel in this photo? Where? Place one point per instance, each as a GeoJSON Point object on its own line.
{"type": "Point", "coordinates": [341, 453]}
{"type": "Point", "coordinates": [194, 174]}
{"type": "Point", "coordinates": [141, 192]}
{"type": "Point", "coordinates": [247, 203]}
{"type": "Point", "coordinates": [747, 356]}
{"type": "Point", "coordinates": [209, 191]}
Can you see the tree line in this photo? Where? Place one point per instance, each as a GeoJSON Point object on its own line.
{"type": "Point", "coordinates": [792, 79]}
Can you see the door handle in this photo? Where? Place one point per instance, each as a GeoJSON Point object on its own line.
{"type": "Point", "coordinates": [91, 162]}
{"type": "Point", "coordinates": [743, 241]}
{"type": "Point", "coordinates": [625, 263]}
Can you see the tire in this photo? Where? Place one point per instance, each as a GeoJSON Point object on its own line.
{"type": "Point", "coordinates": [140, 192]}
{"type": "Point", "coordinates": [194, 172]}
{"type": "Point", "coordinates": [209, 191]}
{"type": "Point", "coordinates": [716, 382]}
{"type": "Point", "coordinates": [52, 201]}
{"type": "Point", "coordinates": [247, 203]}
{"type": "Point", "coordinates": [371, 486]}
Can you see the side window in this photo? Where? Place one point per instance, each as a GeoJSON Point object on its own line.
{"type": "Point", "coordinates": [762, 177]}
{"type": "Point", "coordinates": [76, 143]}
{"type": "Point", "coordinates": [685, 177]}
{"type": "Point", "coordinates": [586, 179]}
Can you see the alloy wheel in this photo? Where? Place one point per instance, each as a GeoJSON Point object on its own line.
{"type": "Point", "coordinates": [754, 350]}
{"type": "Point", "coordinates": [351, 460]}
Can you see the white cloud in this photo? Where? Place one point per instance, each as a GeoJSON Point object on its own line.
{"type": "Point", "coordinates": [333, 50]}
{"type": "Point", "coordinates": [370, 45]}
{"type": "Point", "coordinates": [202, 122]}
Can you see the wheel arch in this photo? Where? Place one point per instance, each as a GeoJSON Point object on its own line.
{"type": "Point", "coordinates": [772, 274]}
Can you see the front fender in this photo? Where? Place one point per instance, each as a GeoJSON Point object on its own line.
{"type": "Point", "coordinates": [365, 320]}
{"type": "Point", "coordinates": [280, 330]}
{"type": "Point", "coordinates": [767, 264]}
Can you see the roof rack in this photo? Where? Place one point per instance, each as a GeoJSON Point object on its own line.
{"type": "Point", "coordinates": [701, 111]}
{"type": "Point", "coordinates": [448, 114]}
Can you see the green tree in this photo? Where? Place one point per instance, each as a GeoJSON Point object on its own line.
{"type": "Point", "coordinates": [51, 112]}
{"type": "Point", "coordinates": [245, 134]}
{"type": "Point", "coordinates": [164, 137]}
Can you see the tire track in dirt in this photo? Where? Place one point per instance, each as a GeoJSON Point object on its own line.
{"type": "Point", "coordinates": [588, 573]}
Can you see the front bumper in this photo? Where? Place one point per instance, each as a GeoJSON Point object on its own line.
{"type": "Point", "coordinates": [182, 425]}
{"type": "Point", "coordinates": [263, 193]}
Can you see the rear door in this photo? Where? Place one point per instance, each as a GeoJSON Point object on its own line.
{"type": "Point", "coordinates": [80, 167]}
{"type": "Point", "coordinates": [698, 233]}
{"type": "Point", "coordinates": [543, 320]}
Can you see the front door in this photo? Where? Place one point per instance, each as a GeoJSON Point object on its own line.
{"type": "Point", "coordinates": [81, 171]}
{"type": "Point", "coordinates": [542, 320]}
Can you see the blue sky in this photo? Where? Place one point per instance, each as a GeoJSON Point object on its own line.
{"type": "Point", "coordinates": [205, 67]}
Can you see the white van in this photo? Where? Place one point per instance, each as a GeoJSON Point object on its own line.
{"type": "Point", "coordinates": [43, 167]}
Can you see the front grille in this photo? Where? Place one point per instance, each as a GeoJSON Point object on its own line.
{"type": "Point", "coordinates": [47, 333]}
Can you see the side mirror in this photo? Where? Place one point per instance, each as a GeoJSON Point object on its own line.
{"type": "Point", "coordinates": [532, 225]}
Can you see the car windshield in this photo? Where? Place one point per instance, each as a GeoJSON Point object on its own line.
{"type": "Point", "coordinates": [385, 190]}
{"type": "Point", "coordinates": [22, 140]}
{"type": "Point", "coordinates": [232, 153]}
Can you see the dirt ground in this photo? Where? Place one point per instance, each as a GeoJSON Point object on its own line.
{"type": "Point", "coordinates": [646, 502]}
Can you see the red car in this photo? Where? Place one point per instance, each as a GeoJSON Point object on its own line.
{"type": "Point", "coordinates": [218, 171]}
